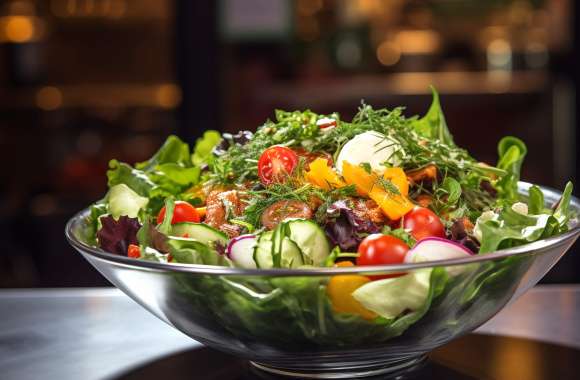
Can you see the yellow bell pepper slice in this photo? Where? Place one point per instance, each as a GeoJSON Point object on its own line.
{"type": "Point", "coordinates": [368, 185]}
{"type": "Point", "coordinates": [340, 289]}
{"type": "Point", "coordinates": [323, 176]}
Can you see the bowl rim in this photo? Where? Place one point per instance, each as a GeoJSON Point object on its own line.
{"type": "Point", "coordinates": [531, 248]}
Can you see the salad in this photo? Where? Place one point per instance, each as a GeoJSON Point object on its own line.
{"type": "Point", "coordinates": [308, 190]}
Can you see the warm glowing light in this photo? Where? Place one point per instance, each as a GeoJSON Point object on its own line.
{"type": "Point", "coordinates": [18, 29]}
{"type": "Point", "coordinates": [49, 98]}
{"type": "Point", "coordinates": [418, 41]}
{"type": "Point", "coordinates": [499, 54]}
{"type": "Point", "coordinates": [168, 96]}
{"type": "Point", "coordinates": [388, 53]}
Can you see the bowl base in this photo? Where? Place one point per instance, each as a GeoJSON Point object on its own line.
{"type": "Point", "coordinates": [394, 368]}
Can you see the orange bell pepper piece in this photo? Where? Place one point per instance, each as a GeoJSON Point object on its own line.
{"type": "Point", "coordinates": [323, 176]}
{"type": "Point", "coordinates": [340, 289]}
{"type": "Point", "coordinates": [393, 205]}
{"type": "Point", "coordinates": [398, 177]}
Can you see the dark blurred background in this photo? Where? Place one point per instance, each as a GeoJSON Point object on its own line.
{"type": "Point", "coordinates": [84, 81]}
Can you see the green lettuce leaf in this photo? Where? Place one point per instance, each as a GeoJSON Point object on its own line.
{"type": "Point", "coordinates": [173, 151]}
{"type": "Point", "coordinates": [202, 153]}
{"type": "Point", "coordinates": [512, 152]}
{"type": "Point", "coordinates": [169, 173]}
{"type": "Point", "coordinates": [511, 228]}
{"type": "Point", "coordinates": [390, 297]}
{"type": "Point", "coordinates": [124, 201]}
{"type": "Point", "coordinates": [189, 251]}
{"type": "Point", "coordinates": [433, 124]}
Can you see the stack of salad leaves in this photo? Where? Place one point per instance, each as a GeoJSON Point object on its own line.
{"type": "Point", "coordinates": [477, 205]}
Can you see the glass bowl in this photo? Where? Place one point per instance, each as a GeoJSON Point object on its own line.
{"type": "Point", "coordinates": [281, 320]}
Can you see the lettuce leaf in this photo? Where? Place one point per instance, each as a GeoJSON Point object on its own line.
{"type": "Point", "coordinates": [116, 235]}
{"type": "Point", "coordinates": [510, 228]}
{"type": "Point", "coordinates": [433, 124]}
{"type": "Point", "coordinates": [169, 173]}
{"type": "Point", "coordinates": [202, 153]}
{"type": "Point", "coordinates": [173, 151]}
{"type": "Point", "coordinates": [512, 152]}
{"type": "Point", "coordinates": [124, 201]}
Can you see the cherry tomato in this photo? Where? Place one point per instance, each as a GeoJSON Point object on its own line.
{"type": "Point", "coordinates": [183, 212]}
{"type": "Point", "coordinates": [326, 123]}
{"type": "Point", "coordinates": [379, 249]}
{"type": "Point", "coordinates": [423, 223]}
{"type": "Point", "coordinates": [275, 164]}
{"type": "Point", "coordinates": [134, 251]}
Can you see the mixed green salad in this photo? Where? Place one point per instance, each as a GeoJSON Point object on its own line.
{"type": "Point", "coordinates": [308, 190]}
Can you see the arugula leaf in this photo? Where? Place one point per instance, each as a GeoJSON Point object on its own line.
{"type": "Point", "coordinates": [451, 188]}
{"type": "Point", "coordinates": [433, 125]}
{"type": "Point", "coordinates": [202, 153]}
{"type": "Point", "coordinates": [512, 152]}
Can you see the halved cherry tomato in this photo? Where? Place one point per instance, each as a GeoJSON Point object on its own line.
{"type": "Point", "coordinates": [422, 223]}
{"type": "Point", "coordinates": [379, 249]}
{"type": "Point", "coordinates": [275, 164]}
{"type": "Point", "coordinates": [183, 212]}
{"type": "Point", "coordinates": [133, 251]}
{"type": "Point", "coordinates": [326, 122]}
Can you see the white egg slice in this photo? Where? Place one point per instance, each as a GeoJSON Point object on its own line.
{"type": "Point", "coordinates": [372, 147]}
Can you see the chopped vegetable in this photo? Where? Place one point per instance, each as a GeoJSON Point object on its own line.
{"type": "Point", "coordinates": [340, 289]}
{"type": "Point", "coordinates": [387, 195]}
{"type": "Point", "coordinates": [323, 176]}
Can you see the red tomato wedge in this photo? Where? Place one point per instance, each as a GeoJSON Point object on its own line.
{"type": "Point", "coordinates": [276, 164]}
{"type": "Point", "coordinates": [183, 212]}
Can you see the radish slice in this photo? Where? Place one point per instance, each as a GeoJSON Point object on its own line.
{"type": "Point", "coordinates": [436, 249]}
{"type": "Point", "coordinates": [241, 251]}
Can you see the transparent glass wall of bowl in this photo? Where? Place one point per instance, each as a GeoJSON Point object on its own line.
{"type": "Point", "coordinates": [284, 320]}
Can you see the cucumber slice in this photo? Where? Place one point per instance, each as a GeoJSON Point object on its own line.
{"type": "Point", "coordinates": [200, 232]}
{"type": "Point", "coordinates": [263, 251]}
{"type": "Point", "coordinates": [273, 250]}
{"type": "Point", "coordinates": [311, 239]}
{"type": "Point", "coordinates": [291, 255]}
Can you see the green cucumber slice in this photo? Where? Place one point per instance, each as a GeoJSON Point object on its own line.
{"type": "Point", "coordinates": [310, 238]}
{"type": "Point", "coordinates": [274, 250]}
{"type": "Point", "coordinates": [200, 232]}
